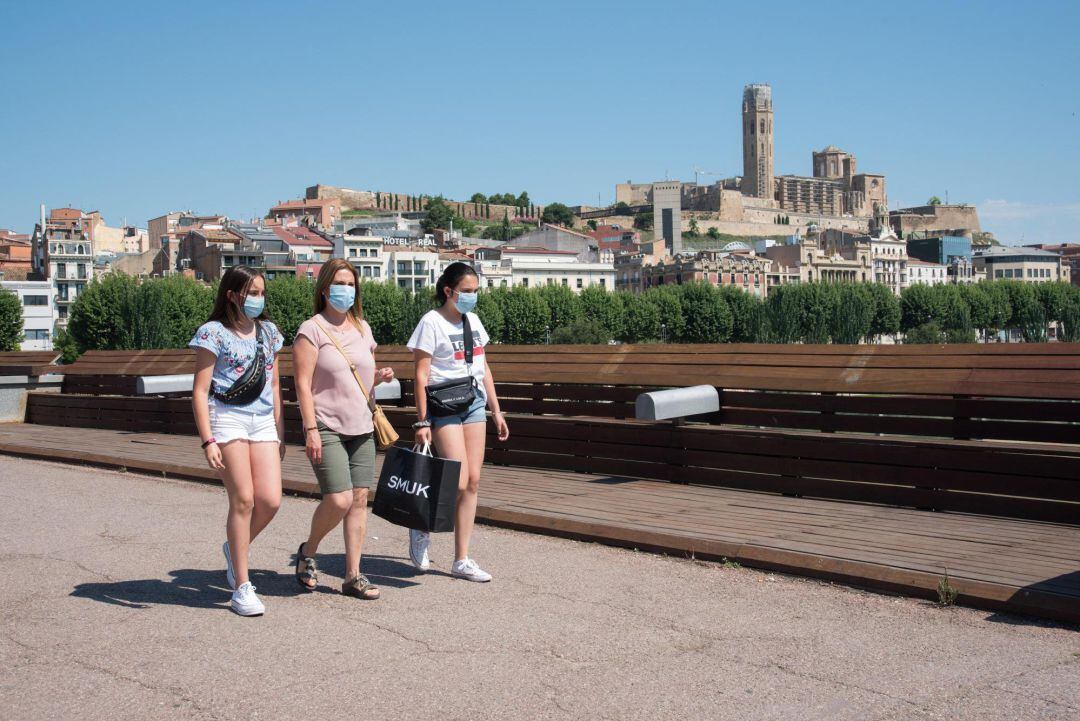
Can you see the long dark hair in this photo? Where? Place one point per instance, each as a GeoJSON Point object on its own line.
{"type": "Point", "coordinates": [237, 279]}
{"type": "Point", "coordinates": [450, 279]}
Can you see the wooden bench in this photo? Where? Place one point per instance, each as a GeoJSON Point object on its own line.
{"type": "Point", "coordinates": [28, 363]}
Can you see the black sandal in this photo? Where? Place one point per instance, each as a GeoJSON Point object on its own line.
{"type": "Point", "coordinates": [360, 587]}
{"type": "Point", "coordinates": [310, 571]}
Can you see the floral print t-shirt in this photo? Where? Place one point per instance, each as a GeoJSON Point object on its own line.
{"type": "Point", "coordinates": [234, 354]}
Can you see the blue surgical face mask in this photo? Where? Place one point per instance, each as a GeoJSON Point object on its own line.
{"type": "Point", "coordinates": [465, 302]}
{"type": "Point", "coordinates": [253, 305]}
{"type": "Point", "coordinates": [342, 297]}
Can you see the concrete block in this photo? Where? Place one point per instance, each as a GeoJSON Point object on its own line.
{"type": "Point", "coordinates": [676, 403]}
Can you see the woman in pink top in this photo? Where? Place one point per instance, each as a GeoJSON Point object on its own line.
{"type": "Point", "coordinates": [337, 420]}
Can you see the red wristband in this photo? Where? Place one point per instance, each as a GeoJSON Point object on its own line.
{"type": "Point", "coordinates": [208, 442]}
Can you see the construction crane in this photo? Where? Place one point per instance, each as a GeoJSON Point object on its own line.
{"type": "Point", "coordinates": [698, 171]}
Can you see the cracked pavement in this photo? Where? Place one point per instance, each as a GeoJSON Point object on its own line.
{"type": "Point", "coordinates": [114, 607]}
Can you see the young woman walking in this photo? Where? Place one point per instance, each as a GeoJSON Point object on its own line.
{"type": "Point", "coordinates": [333, 355]}
{"type": "Point", "coordinates": [237, 404]}
{"type": "Point", "coordinates": [440, 353]}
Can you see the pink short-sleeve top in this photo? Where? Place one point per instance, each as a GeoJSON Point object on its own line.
{"type": "Point", "coordinates": [339, 402]}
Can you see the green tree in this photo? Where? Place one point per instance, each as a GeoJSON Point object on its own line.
{"type": "Point", "coordinates": [934, 200]}
{"type": "Point", "coordinates": [1027, 314]}
{"type": "Point", "coordinates": [384, 310]}
{"type": "Point", "coordinates": [668, 302]}
{"type": "Point", "coordinates": [101, 314]}
{"type": "Point", "coordinates": [955, 319]}
{"type": "Point", "coordinates": [713, 233]}
{"type": "Point", "coordinates": [980, 306]}
{"type": "Point", "coordinates": [378, 199]}
{"type": "Point", "coordinates": [1070, 316]}
{"type": "Point", "coordinates": [583, 331]}
{"type": "Point", "coordinates": [1000, 304]}
{"type": "Point", "coordinates": [525, 317]}
{"type": "Point", "coordinates": [919, 304]}
{"type": "Point", "coordinates": [747, 314]}
{"type": "Point", "coordinates": [605, 308]}
{"type": "Point", "coordinates": [643, 220]}
{"type": "Point", "coordinates": [707, 316]}
{"type": "Point", "coordinates": [66, 346]}
{"type": "Point", "coordinates": [439, 215]}
{"type": "Point", "coordinates": [415, 305]}
{"type": "Point", "coordinates": [489, 309]}
{"type": "Point", "coordinates": [927, 333]}
{"type": "Point", "coordinates": [523, 200]}
{"type": "Point", "coordinates": [782, 314]}
{"type": "Point", "coordinates": [1052, 297]}
{"type": "Point", "coordinates": [816, 304]}
{"type": "Point", "coordinates": [168, 311]}
{"type": "Point", "coordinates": [11, 321]}
{"type": "Point", "coordinates": [621, 208]}
{"type": "Point", "coordinates": [591, 223]}
{"type": "Point", "coordinates": [852, 313]}
{"type": "Point", "coordinates": [642, 318]}
{"type": "Point", "coordinates": [289, 303]}
{"type": "Point", "coordinates": [478, 198]}
{"type": "Point", "coordinates": [558, 214]}
{"type": "Point", "coordinates": [564, 306]}
{"type": "Point", "coordinates": [886, 319]}
{"type": "Point", "coordinates": [693, 228]}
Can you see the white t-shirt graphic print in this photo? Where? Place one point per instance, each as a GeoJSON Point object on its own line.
{"type": "Point", "coordinates": [445, 342]}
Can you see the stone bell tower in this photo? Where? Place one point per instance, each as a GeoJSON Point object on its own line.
{"type": "Point", "coordinates": [757, 114]}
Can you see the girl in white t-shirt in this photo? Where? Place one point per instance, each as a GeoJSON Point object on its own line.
{"type": "Point", "coordinates": [438, 347]}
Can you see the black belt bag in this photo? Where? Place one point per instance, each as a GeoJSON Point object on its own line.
{"type": "Point", "coordinates": [453, 397]}
{"type": "Point", "coordinates": [248, 387]}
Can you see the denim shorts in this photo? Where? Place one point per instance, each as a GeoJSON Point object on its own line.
{"type": "Point", "coordinates": [227, 423]}
{"type": "Point", "coordinates": [474, 414]}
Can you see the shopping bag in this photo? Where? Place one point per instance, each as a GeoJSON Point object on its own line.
{"type": "Point", "coordinates": [417, 490]}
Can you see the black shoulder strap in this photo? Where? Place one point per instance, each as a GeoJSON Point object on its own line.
{"type": "Point", "coordinates": [467, 331]}
{"type": "Point", "coordinates": [259, 338]}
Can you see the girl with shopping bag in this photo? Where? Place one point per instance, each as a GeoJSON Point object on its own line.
{"type": "Point", "coordinates": [452, 387]}
{"type": "Point", "coordinates": [335, 376]}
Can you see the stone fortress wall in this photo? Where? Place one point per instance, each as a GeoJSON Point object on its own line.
{"type": "Point", "coordinates": [384, 201]}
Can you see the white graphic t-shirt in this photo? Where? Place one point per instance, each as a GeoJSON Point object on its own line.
{"type": "Point", "coordinates": [445, 341]}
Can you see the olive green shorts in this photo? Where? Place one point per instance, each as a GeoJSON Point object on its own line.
{"type": "Point", "coordinates": [348, 462]}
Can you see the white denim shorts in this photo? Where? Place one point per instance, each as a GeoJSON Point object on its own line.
{"type": "Point", "coordinates": [228, 423]}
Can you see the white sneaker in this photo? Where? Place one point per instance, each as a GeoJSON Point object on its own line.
{"type": "Point", "coordinates": [418, 546]}
{"type": "Point", "coordinates": [230, 574]}
{"type": "Point", "coordinates": [245, 602]}
{"type": "Point", "coordinates": [468, 570]}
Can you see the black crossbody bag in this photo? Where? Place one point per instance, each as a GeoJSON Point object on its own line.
{"type": "Point", "coordinates": [455, 396]}
{"type": "Point", "coordinates": [249, 386]}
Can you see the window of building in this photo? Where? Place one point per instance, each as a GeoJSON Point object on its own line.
{"type": "Point", "coordinates": [418, 285]}
{"type": "Point", "coordinates": [418, 267]}
{"type": "Point", "coordinates": [1008, 272]}
{"type": "Point", "coordinates": [551, 281]}
{"type": "Point", "coordinates": [580, 283]}
{"type": "Point", "coordinates": [62, 312]}
{"type": "Point", "coordinates": [524, 282]}
{"type": "Point", "coordinates": [603, 282]}
{"type": "Point", "coordinates": [566, 281]}
{"type": "Point", "coordinates": [402, 283]}
{"type": "Point", "coordinates": [35, 300]}
{"type": "Point", "coordinates": [82, 271]}
{"type": "Point", "coordinates": [376, 272]}
{"type": "Point", "coordinates": [763, 126]}
{"type": "Point", "coordinates": [404, 268]}
{"type": "Point", "coordinates": [999, 273]}
{"type": "Point", "coordinates": [366, 271]}
{"type": "Point", "coordinates": [37, 334]}
{"type": "Point", "coordinates": [503, 282]}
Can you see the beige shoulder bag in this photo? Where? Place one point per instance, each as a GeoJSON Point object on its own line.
{"type": "Point", "coordinates": [385, 435]}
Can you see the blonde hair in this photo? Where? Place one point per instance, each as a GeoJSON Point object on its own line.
{"type": "Point", "coordinates": [326, 278]}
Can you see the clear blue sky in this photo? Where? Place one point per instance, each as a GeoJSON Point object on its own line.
{"type": "Point", "coordinates": [138, 108]}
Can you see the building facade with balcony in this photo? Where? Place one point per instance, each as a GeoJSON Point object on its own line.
{"type": "Point", "coordinates": [1029, 265]}
{"type": "Point", "coordinates": [64, 255]}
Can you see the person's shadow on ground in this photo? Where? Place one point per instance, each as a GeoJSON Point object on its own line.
{"type": "Point", "coordinates": [201, 588]}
